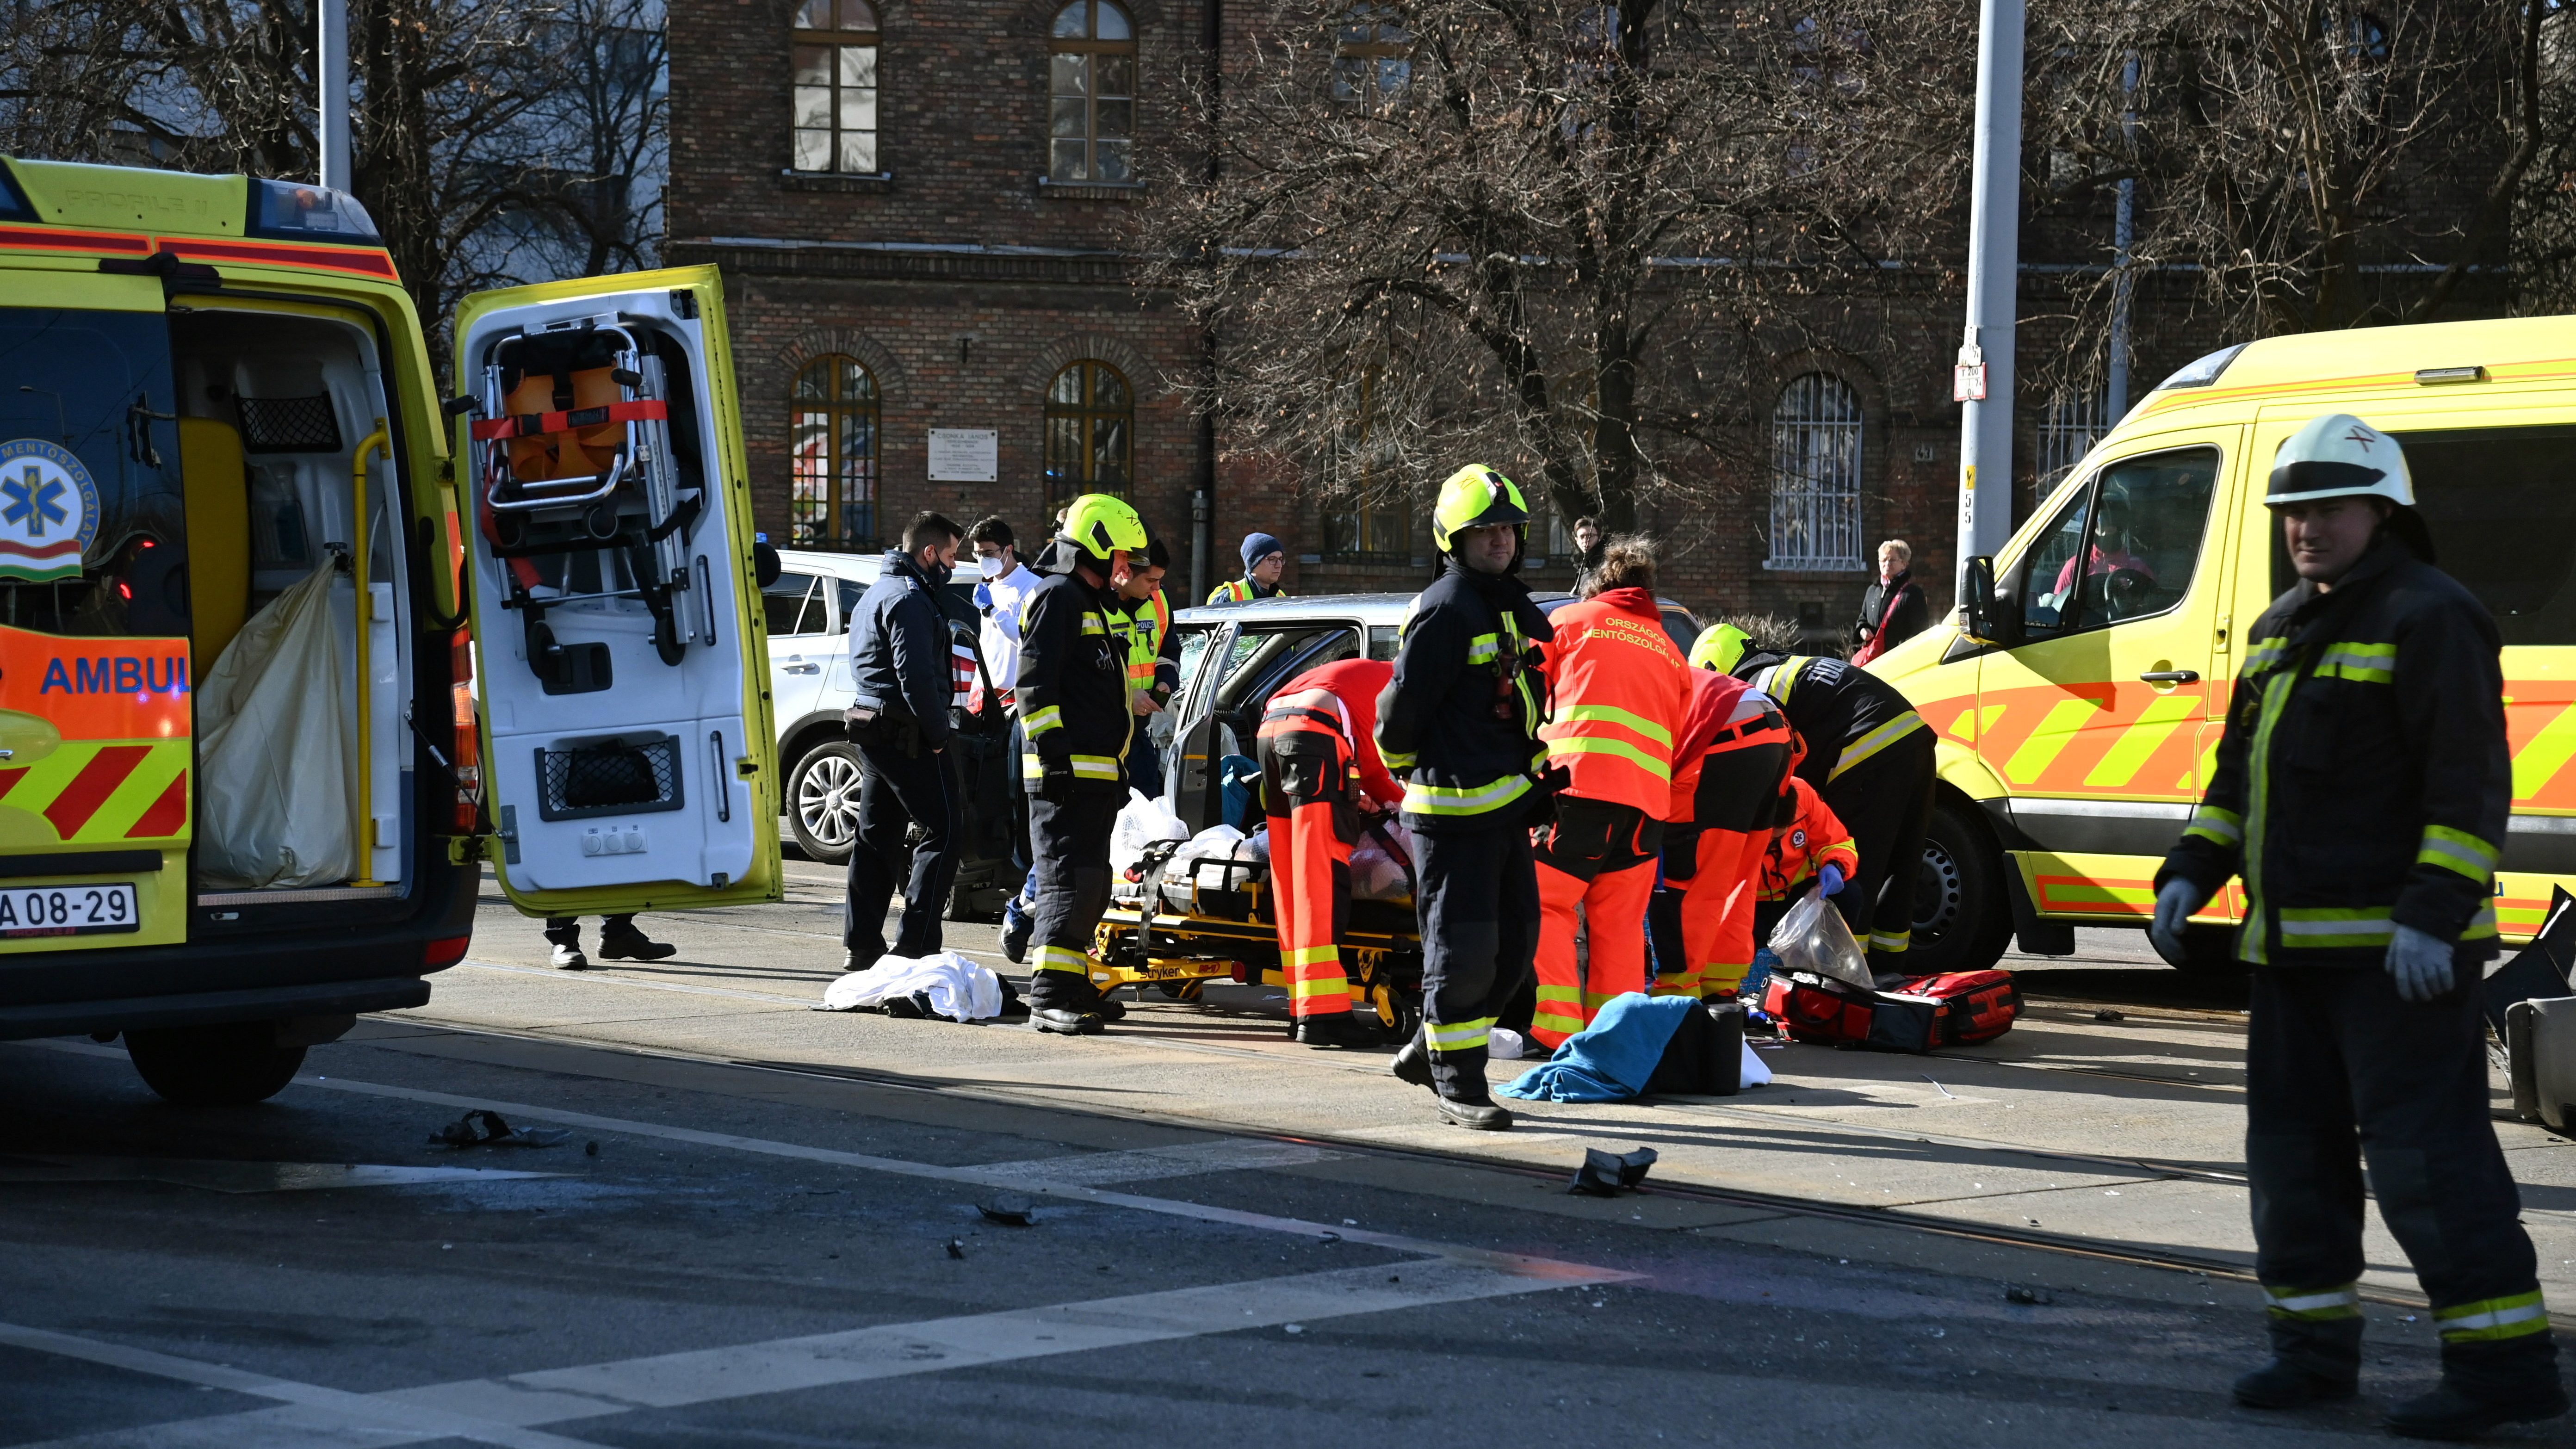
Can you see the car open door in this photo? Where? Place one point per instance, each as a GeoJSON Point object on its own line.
{"type": "Point", "coordinates": [617, 627]}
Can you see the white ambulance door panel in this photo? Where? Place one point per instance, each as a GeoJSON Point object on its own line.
{"type": "Point", "coordinates": [617, 619]}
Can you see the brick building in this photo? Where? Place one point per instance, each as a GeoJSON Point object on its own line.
{"type": "Point", "coordinates": [917, 208]}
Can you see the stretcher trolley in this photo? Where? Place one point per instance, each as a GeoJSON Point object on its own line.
{"type": "Point", "coordinates": [1207, 919]}
{"type": "Point", "coordinates": [576, 487]}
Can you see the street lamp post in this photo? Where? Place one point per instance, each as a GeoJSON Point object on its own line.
{"type": "Point", "coordinates": [331, 69]}
{"type": "Point", "coordinates": [1983, 381]}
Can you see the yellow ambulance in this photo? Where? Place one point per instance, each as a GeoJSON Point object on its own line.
{"type": "Point", "coordinates": [2078, 695]}
{"type": "Point", "coordinates": [251, 568]}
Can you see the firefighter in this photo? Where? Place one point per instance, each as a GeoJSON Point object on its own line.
{"type": "Point", "coordinates": [1619, 690]}
{"type": "Point", "coordinates": [1153, 658]}
{"type": "Point", "coordinates": [1871, 757]}
{"type": "Point", "coordinates": [1321, 783]}
{"type": "Point", "coordinates": [1731, 765]}
{"type": "Point", "coordinates": [1459, 719]}
{"type": "Point", "coordinates": [2361, 791]}
{"type": "Point", "coordinates": [1264, 560]}
{"type": "Point", "coordinates": [1076, 715]}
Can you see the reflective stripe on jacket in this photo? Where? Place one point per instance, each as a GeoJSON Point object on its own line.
{"type": "Point", "coordinates": [2363, 781]}
{"type": "Point", "coordinates": [1072, 688]}
{"type": "Point", "coordinates": [1242, 591]}
{"type": "Point", "coordinates": [1619, 690]}
{"type": "Point", "coordinates": [1846, 714]}
{"type": "Point", "coordinates": [1459, 717]}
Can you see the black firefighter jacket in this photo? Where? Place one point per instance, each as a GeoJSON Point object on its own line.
{"type": "Point", "coordinates": [1072, 689]}
{"type": "Point", "coordinates": [1460, 718]}
{"type": "Point", "coordinates": [2363, 781]}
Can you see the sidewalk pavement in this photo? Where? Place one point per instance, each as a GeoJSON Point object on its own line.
{"type": "Point", "coordinates": [2126, 1135]}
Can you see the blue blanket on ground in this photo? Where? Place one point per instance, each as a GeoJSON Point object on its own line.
{"type": "Point", "coordinates": [1610, 1060]}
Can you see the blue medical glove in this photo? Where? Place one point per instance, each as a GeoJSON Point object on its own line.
{"type": "Point", "coordinates": [984, 597]}
{"type": "Point", "coordinates": [2174, 905]}
{"type": "Point", "coordinates": [1829, 879]}
{"type": "Point", "coordinates": [2420, 962]}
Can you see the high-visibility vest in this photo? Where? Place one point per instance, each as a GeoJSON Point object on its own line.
{"type": "Point", "coordinates": [1621, 691]}
{"type": "Point", "coordinates": [1146, 626]}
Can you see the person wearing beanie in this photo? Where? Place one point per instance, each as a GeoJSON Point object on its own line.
{"type": "Point", "coordinates": [1264, 559]}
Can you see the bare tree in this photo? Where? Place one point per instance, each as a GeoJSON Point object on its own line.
{"type": "Point", "coordinates": [1542, 231]}
{"type": "Point", "coordinates": [2308, 164]}
{"type": "Point", "coordinates": [472, 116]}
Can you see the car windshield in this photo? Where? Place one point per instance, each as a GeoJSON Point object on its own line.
{"type": "Point", "coordinates": [93, 537]}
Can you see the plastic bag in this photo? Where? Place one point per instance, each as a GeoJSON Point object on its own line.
{"type": "Point", "coordinates": [1812, 938]}
{"type": "Point", "coordinates": [1140, 823]}
{"type": "Point", "coordinates": [276, 803]}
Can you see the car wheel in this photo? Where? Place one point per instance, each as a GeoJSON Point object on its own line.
{"type": "Point", "coordinates": [823, 802]}
{"type": "Point", "coordinates": [231, 1065]}
{"type": "Point", "coordinates": [1961, 920]}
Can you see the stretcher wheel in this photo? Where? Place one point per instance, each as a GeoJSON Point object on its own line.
{"type": "Point", "coordinates": [1181, 990]}
{"type": "Point", "coordinates": [601, 519]}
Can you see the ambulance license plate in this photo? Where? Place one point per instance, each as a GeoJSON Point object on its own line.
{"type": "Point", "coordinates": [81, 910]}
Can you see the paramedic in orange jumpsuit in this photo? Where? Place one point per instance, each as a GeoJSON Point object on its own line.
{"type": "Point", "coordinates": [1320, 773]}
{"type": "Point", "coordinates": [1621, 690]}
{"type": "Point", "coordinates": [1811, 845]}
{"type": "Point", "coordinates": [1731, 766]}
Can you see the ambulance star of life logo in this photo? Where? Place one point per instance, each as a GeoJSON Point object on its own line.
{"type": "Point", "coordinates": [48, 510]}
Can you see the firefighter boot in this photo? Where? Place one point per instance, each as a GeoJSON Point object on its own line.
{"type": "Point", "coordinates": [1482, 1115]}
{"type": "Point", "coordinates": [2281, 1384]}
{"type": "Point", "coordinates": [620, 941]}
{"type": "Point", "coordinates": [1413, 1063]}
{"type": "Point", "coordinates": [2486, 1385]}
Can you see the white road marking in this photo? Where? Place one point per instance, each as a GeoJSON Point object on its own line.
{"type": "Point", "coordinates": [597, 977]}
{"type": "Point", "coordinates": [314, 1415]}
{"type": "Point", "coordinates": [228, 1176]}
{"type": "Point", "coordinates": [1229, 1155]}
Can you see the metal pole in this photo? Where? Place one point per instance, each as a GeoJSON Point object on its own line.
{"type": "Point", "coordinates": [331, 67]}
{"type": "Point", "coordinates": [1984, 382]}
{"type": "Point", "coordinates": [2124, 236]}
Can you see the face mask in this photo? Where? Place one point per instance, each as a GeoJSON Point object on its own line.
{"type": "Point", "coordinates": [992, 566]}
{"type": "Point", "coordinates": [939, 573]}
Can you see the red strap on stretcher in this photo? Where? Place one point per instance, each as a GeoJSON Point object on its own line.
{"type": "Point", "coordinates": [533, 425]}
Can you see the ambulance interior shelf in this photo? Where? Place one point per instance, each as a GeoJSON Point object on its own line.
{"type": "Point", "coordinates": [578, 484]}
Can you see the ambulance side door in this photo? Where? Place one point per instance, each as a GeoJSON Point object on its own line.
{"type": "Point", "coordinates": [617, 614]}
{"type": "Point", "coordinates": [2093, 718]}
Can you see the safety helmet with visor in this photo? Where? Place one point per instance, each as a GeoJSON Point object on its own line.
{"type": "Point", "coordinates": [1720, 647]}
{"type": "Point", "coordinates": [1476, 496]}
{"type": "Point", "coordinates": [2338, 455]}
{"type": "Point", "coordinates": [1103, 526]}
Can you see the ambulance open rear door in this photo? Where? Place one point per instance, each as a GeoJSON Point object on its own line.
{"type": "Point", "coordinates": [600, 478]}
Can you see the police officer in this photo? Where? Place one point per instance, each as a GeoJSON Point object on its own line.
{"type": "Point", "coordinates": [1459, 721]}
{"type": "Point", "coordinates": [1870, 756]}
{"type": "Point", "coordinates": [1075, 713]}
{"type": "Point", "coordinates": [2361, 793]}
{"type": "Point", "coordinates": [903, 680]}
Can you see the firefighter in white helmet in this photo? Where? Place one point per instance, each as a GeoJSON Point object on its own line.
{"type": "Point", "coordinates": [2361, 793]}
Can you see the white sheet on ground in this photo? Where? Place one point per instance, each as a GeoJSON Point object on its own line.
{"type": "Point", "coordinates": [960, 990]}
{"type": "Point", "coordinates": [1755, 1072]}
{"type": "Point", "coordinates": [276, 802]}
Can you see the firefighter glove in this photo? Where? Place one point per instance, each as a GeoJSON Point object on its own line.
{"type": "Point", "coordinates": [2174, 905]}
{"type": "Point", "coordinates": [1829, 880]}
{"type": "Point", "coordinates": [2420, 962]}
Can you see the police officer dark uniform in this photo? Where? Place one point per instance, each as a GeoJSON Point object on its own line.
{"type": "Point", "coordinates": [1459, 723]}
{"type": "Point", "coordinates": [1871, 757]}
{"type": "Point", "coordinates": [1075, 714]}
{"type": "Point", "coordinates": [903, 678]}
{"type": "Point", "coordinates": [2361, 792]}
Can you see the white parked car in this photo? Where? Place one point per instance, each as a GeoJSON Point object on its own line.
{"type": "Point", "coordinates": [808, 611]}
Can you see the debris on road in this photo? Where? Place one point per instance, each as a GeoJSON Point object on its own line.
{"type": "Point", "coordinates": [2019, 1293]}
{"type": "Point", "coordinates": [2110, 1016]}
{"type": "Point", "coordinates": [1009, 1209]}
{"type": "Point", "coordinates": [1605, 1174]}
{"type": "Point", "coordinates": [483, 1127]}
{"type": "Point", "coordinates": [957, 1247]}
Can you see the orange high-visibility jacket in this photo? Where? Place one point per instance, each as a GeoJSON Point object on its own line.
{"type": "Point", "coordinates": [1813, 838]}
{"type": "Point", "coordinates": [1723, 711]}
{"type": "Point", "coordinates": [1356, 682]}
{"type": "Point", "coordinates": [1621, 690]}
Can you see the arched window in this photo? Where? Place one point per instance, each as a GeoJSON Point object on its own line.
{"type": "Point", "coordinates": [832, 442]}
{"type": "Point", "coordinates": [1091, 94]}
{"type": "Point", "coordinates": [836, 87]}
{"type": "Point", "coordinates": [1372, 56]}
{"type": "Point", "coordinates": [1815, 476]}
{"type": "Point", "coordinates": [1090, 432]}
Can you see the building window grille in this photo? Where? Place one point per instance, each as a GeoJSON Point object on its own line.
{"type": "Point", "coordinates": [1091, 95]}
{"type": "Point", "coordinates": [1372, 56]}
{"type": "Point", "coordinates": [832, 447]}
{"type": "Point", "coordinates": [836, 87]}
{"type": "Point", "coordinates": [1815, 477]}
{"type": "Point", "coordinates": [2067, 431]}
{"type": "Point", "coordinates": [1090, 432]}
